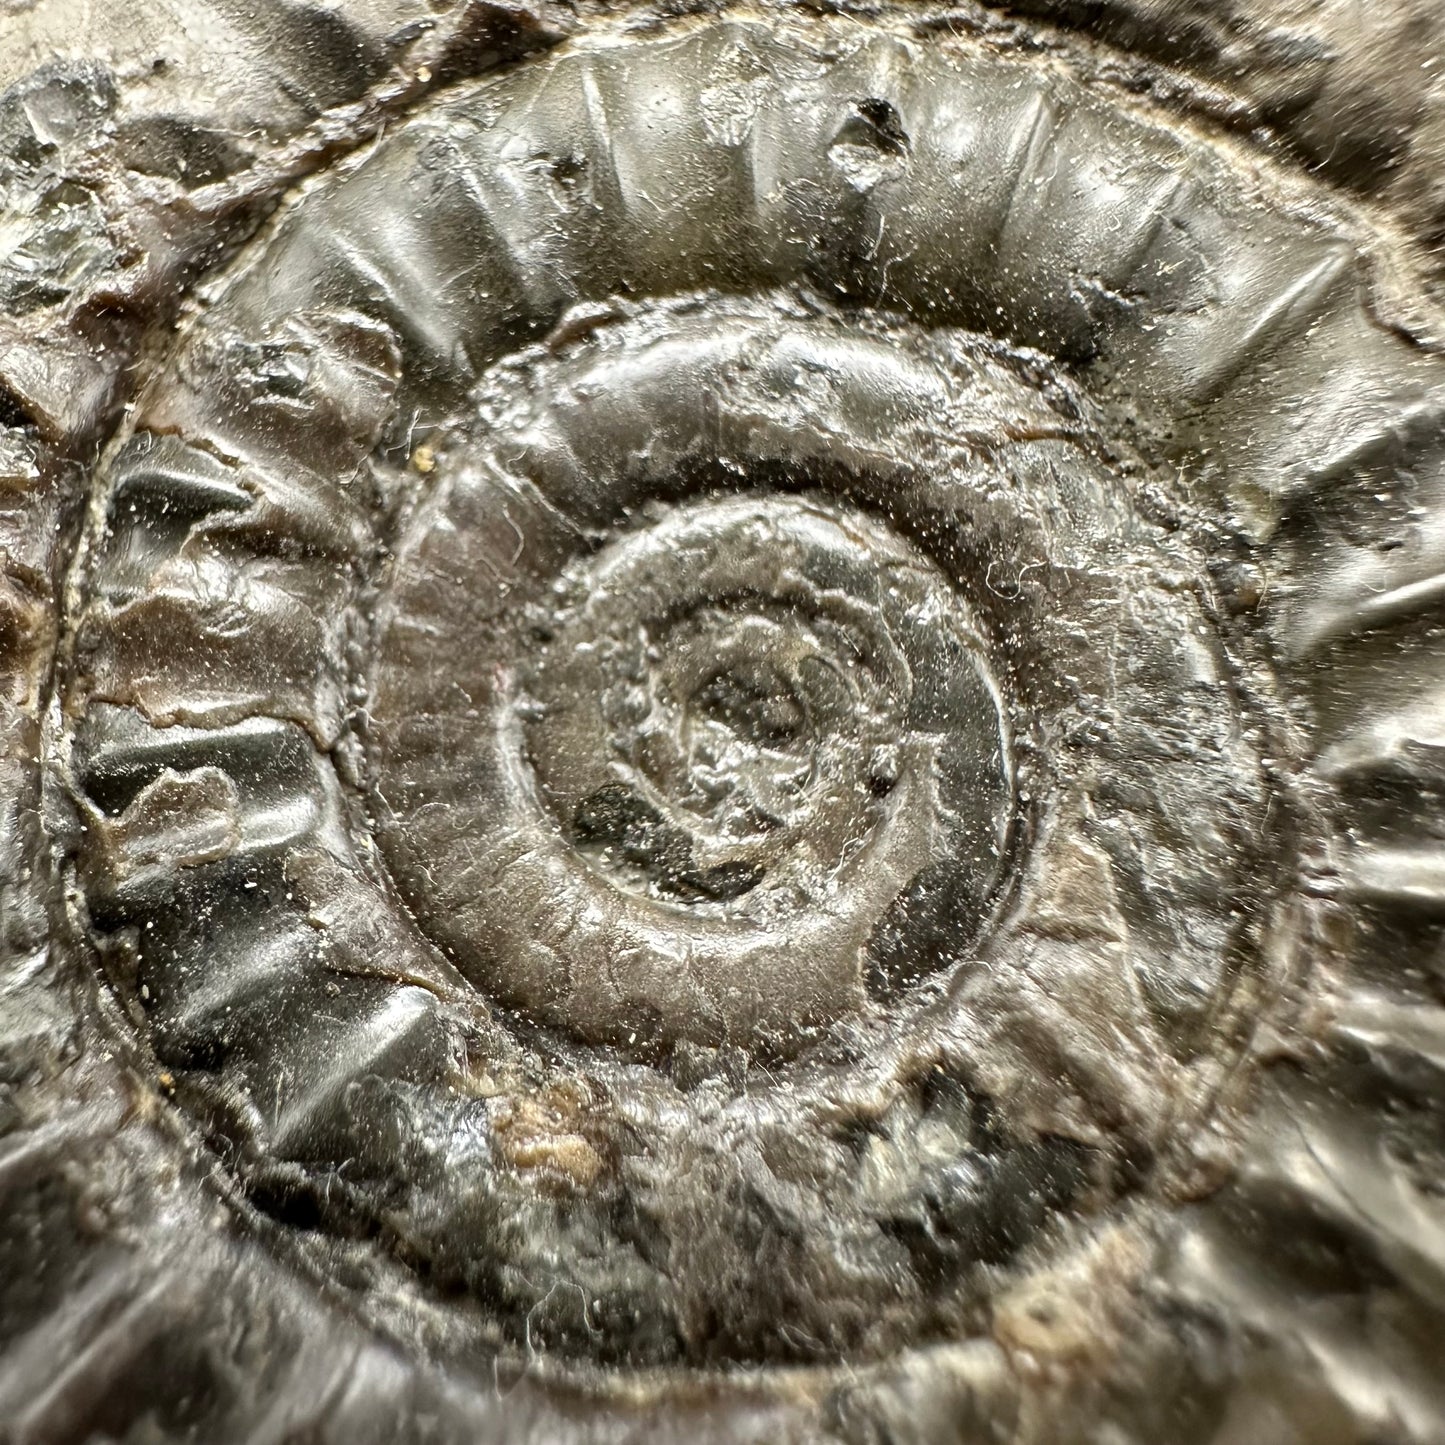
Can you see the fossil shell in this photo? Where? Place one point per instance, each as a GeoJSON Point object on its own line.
{"type": "Point", "coordinates": [744, 723]}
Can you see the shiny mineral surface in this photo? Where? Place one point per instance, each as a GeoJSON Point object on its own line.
{"type": "Point", "coordinates": [721, 725]}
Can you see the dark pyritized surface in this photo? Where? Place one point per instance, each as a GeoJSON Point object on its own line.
{"type": "Point", "coordinates": [721, 725]}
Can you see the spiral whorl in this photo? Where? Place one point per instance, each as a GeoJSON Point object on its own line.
{"type": "Point", "coordinates": [673, 656]}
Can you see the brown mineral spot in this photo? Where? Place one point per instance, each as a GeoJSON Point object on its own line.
{"type": "Point", "coordinates": [542, 1135]}
{"type": "Point", "coordinates": [569, 1156]}
{"type": "Point", "coordinates": [1067, 1316]}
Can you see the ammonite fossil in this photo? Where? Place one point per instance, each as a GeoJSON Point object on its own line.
{"type": "Point", "coordinates": [722, 724]}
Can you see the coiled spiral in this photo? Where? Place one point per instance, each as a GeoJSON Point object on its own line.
{"type": "Point", "coordinates": [669, 702]}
